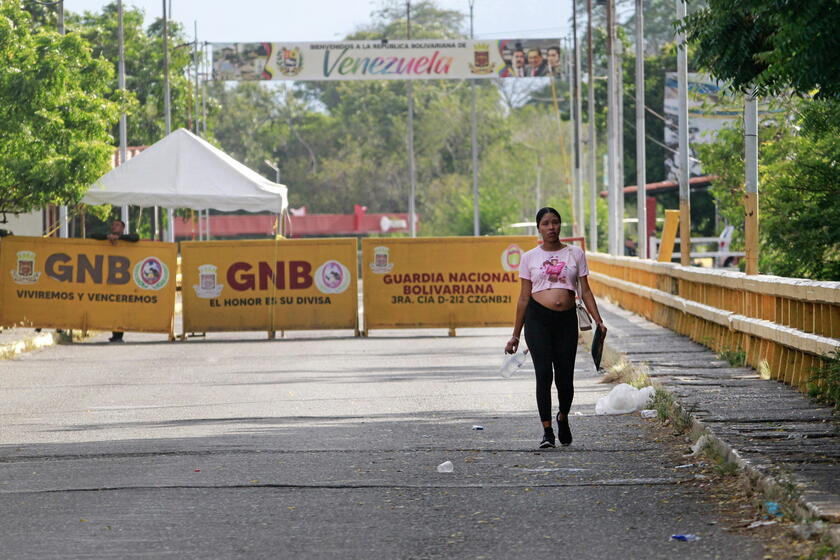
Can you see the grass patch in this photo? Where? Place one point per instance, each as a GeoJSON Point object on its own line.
{"type": "Point", "coordinates": [824, 384]}
{"type": "Point", "coordinates": [720, 465]}
{"type": "Point", "coordinates": [668, 410]}
{"type": "Point", "coordinates": [663, 403]}
{"type": "Point", "coordinates": [824, 550]}
{"type": "Point", "coordinates": [625, 372]}
{"type": "Point", "coordinates": [736, 358]}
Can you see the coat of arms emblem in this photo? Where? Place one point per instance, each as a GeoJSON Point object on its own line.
{"type": "Point", "coordinates": [511, 258]}
{"type": "Point", "coordinates": [207, 287]}
{"type": "Point", "coordinates": [481, 59]}
{"type": "Point", "coordinates": [151, 273]}
{"type": "Point", "coordinates": [24, 271]}
{"type": "Point", "coordinates": [289, 61]}
{"type": "Point", "coordinates": [332, 277]}
{"type": "Point", "coordinates": [380, 264]}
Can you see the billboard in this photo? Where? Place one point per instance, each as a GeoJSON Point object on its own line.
{"type": "Point", "coordinates": [708, 111]}
{"type": "Point", "coordinates": [711, 107]}
{"type": "Point", "coordinates": [428, 59]}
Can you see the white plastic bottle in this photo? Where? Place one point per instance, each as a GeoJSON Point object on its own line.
{"type": "Point", "coordinates": [513, 362]}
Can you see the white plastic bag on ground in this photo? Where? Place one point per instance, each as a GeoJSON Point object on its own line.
{"type": "Point", "coordinates": [446, 467]}
{"type": "Point", "coordinates": [699, 445]}
{"type": "Point", "coordinates": [623, 398]}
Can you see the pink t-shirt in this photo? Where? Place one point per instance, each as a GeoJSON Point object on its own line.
{"type": "Point", "coordinates": [553, 269]}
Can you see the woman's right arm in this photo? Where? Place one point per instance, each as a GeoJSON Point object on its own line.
{"type": "Point", "coordinates": [521, 304]}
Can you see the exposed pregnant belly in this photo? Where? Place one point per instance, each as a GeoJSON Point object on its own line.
{"type": "Point", "coordinates": [558, 299]}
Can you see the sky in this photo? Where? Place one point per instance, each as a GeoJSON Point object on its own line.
{"type": "Point", "coordinates": [331, 20]}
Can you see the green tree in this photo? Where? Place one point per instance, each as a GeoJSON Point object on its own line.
{"type": "Point", "coordinates": [143, 68]}
{"type": "Point", "coordinates": [43, 15]}
{"type": "Point", "coordinates": [660, 18]}
{"type": "Point", "coordinates": [428, 21]}
{"type": "Point", "coordinates": [772, 45]}
{"type": "Point", "coordinates": [524, 166]}
{"type": "Point", "coordinates": [55, 114]}
{"type": "Point", "coordinates": [799, 185]}
{"type": "Point", "coordinates": [344, 143]}
{"type": "Point", "coordinates": [776, 47]}
{"type": "Point", "coordinates": [244, 120]}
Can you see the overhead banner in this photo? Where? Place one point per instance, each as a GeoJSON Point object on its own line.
{"type": "Point", "coordinates": [441, 282]}
{"type": "Point", "coordinates": [87, 284]}
{"type": "Point", "coordinates": [711, 107]}
{"type": "Point", "coordinates": [260, 285]}
{"type": "Point", "coordinates": [436, 59]}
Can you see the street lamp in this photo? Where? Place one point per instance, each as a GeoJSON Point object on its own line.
{"type": "Point", "coordinates": [275, 168]}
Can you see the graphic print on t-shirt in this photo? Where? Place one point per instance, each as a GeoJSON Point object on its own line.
{"type": "Point", "coordinates": [553, 269]}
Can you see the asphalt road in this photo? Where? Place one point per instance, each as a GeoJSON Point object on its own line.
{"type": "Point", "coordinates": [321, 445]}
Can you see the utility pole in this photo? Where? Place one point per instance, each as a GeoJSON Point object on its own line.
{"type": "Point", "coordinates": [412, 215]}
{"type": "Point", "coordinates": [612, 156]}
{"type": "Point", "coordinates": [63, 215]}
{"type": "Point", "coordinates": [538, 186]}
{"type": "Point", "coordinates": [121, 85]}
{"type": "Point", "coordinates": [684, 171]}
{"type": "Point", "coordinates": [576, 109]}
{"type": "Point", "coordinates": [572, 144]}
{"type": "Point", "coordinates": [641, 174]}
{"type": "Point", "coordinates": [618, 49]}
{"type": "Point", "coordinates": [195, 68]}
{"type": "Point", "coordinates": [592, 242]}
{"type": "Point", "coordinates": [751, 165]}
{"type": "Point", "coordinates": [167, 97]}
{"type": "Point", "coordinates": [196, 120]}
{"type": "Point", "coordinates": [474, 133]}
{"type": "Point", "coordinates": [205, 64]}
{"type": "Point", "coordinates": [167, 111]}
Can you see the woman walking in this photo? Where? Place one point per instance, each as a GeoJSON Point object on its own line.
{"type": "Point", "coordinates": [551, 275]}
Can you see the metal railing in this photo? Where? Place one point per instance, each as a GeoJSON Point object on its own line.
{"type": "Point", "coordinates": [721, 252]}
{"type": "Point", "coordinates": [782, 327]}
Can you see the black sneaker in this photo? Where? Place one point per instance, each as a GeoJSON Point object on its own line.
{"type": "Point", "coordinates": [548, 439]}
{"type": "Point", "coordinates": [114, 339]}
{"type": "Point", "coordinates": [564, 434]}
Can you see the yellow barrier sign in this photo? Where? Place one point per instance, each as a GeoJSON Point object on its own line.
{"type": "Point", "coordinates": [441, 281]}
{"type": "Point", "coordinates": [289, 284]}
{"type": "Point", "coordinates": [87, 284]}
{"type": "Point", "coordinates": [669, 235]}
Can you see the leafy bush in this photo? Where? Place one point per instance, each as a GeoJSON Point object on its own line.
{"type": "Point", "coordinates": [825, 381]}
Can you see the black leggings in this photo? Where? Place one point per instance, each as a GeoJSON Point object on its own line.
{"type": "Point", "coordinates": [552, 338]}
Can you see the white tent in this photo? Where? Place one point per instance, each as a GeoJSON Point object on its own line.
{"type": "Point", "coordinates": [184, 171]}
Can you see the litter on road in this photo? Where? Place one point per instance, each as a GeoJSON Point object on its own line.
{"type": "Point", "coordinates": [685, 538]}
{"type": "Point", "coordinates": [624, 398]}
{"type": "Point", "coordinates": [445, 467]}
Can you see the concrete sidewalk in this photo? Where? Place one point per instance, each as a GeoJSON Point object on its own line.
{"type": "Point", "coordinates": [788, 444]}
